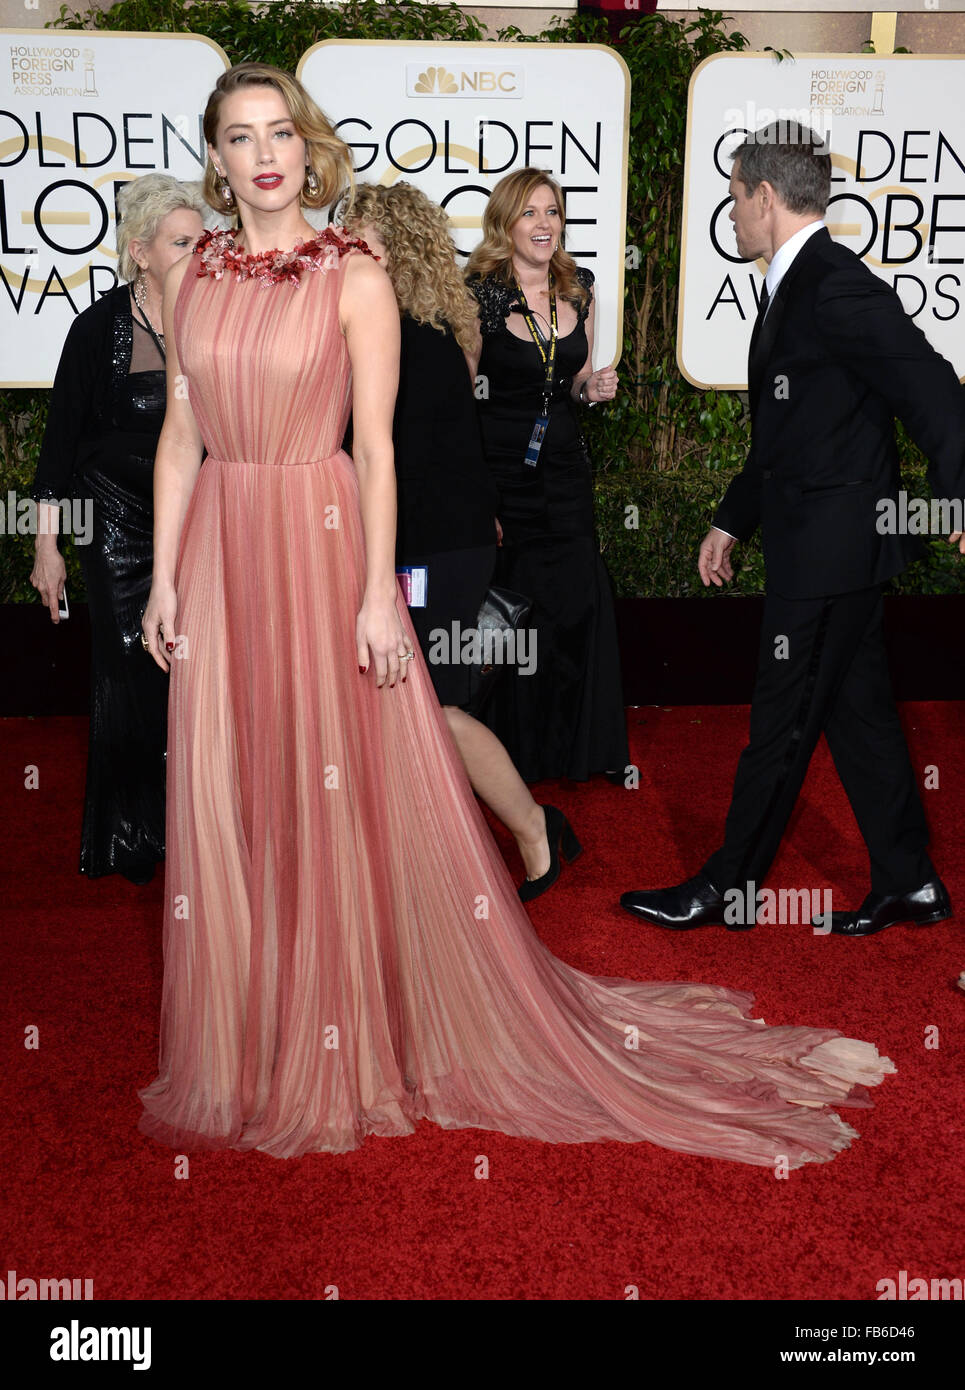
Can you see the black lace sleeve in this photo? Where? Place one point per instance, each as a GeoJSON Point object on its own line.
{"type": "Point", "coordinates": [586, 279]}
{"type": "Point", "coordinates": [494, 300]}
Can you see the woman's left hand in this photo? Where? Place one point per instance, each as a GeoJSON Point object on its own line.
{"type": "Point", "coordinates": [601, 385]}
{"type": "Point", "coordinates": [381, 639]}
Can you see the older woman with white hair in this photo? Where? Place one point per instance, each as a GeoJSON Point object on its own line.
{"type": "Point", "coordinates": [103, 424]}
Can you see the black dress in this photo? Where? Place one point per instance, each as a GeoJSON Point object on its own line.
{"type": "Point", "coordinates": [103, 423]}
{"type": "Point", "coordinates": [446, 498]}
{"type": "Point", "coordinates": [567, 718]}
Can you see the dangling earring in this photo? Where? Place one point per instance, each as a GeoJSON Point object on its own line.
{"type": "Point", "coordinates": [311, 181]}
{"type": "Point", "coordinates": [224, 189]}
{"type": "Point", "coordinates": [139, 290]}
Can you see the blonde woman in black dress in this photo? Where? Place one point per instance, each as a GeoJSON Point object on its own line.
{"type": "Point", "coordinates": [103, 423]}
{"type": "Point", "coordinates": [537, 318]}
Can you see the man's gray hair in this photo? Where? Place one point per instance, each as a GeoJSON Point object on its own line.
{"type": "Point", "coordinates": [793, 159]}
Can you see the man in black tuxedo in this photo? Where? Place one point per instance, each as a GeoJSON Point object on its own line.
{"type": "Point", "coordinates": [833, 359]}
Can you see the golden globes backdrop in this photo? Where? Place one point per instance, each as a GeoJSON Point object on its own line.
{"type": "Point", "coordinates": [454, 118]}
{"type": "Point", "coordinates": [80, 114]}
{"type": "Point", "coordinates": [897, 144]}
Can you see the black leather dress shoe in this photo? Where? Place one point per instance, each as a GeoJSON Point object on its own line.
{"type": "Point", "coordinates": [696, 903]}
{"type": "Point", "coordinates": [922, 907]}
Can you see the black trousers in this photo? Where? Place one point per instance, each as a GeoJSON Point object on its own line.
{"type": "Point", "coordinates": [822, 668]}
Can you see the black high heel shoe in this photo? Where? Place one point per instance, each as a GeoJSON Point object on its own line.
{"type": "Point", "coordinates": [562, 843]}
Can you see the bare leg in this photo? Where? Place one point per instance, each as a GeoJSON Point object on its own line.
{"type": "Point", "coordinates": [496, 782]}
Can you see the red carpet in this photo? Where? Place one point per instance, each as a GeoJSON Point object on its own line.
{"type": "Point", "coordinates": [88, 1197]}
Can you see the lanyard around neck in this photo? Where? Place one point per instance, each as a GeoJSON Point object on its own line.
{"type": "Point", "coordinates": [549, 358]}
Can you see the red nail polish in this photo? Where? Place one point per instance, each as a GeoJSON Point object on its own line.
{"type": "Point", "coordinates": [362, 670]}
{"type": "Point", "coordinates": [169, 646]}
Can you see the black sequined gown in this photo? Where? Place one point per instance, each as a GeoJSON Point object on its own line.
{"type": "Point", "coordinates": [567, 718]}
{"type": "Point", "coordinates": [105, 416]}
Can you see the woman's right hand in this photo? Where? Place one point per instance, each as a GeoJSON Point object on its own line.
{"type": "Point", "coordinates": [158, 623]}
{"type": "Point", "coordinates": [49, 574]}
{"type": "Point", "coordinates": [382, 641]}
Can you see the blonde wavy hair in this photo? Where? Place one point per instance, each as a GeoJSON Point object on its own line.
{"type": "Point", "coordinates": [142, 205]}
{"type": "Point", "coordinates": [421, 258]}
{"type": "Point", "coordinates": [327, 153]}
{"type": "Point", "coordinates": [494, 254]}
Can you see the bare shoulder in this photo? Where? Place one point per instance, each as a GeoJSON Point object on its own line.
{"type": "Point", "coordinates": [363, 270]}
{"type": "Point", "coordinates": [366, 289]}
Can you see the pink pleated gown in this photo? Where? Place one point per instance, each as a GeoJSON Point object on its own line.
{"type": "Point", "coordinates": [345, 952]}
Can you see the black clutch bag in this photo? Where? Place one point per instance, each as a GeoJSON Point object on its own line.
{"type": "Point", "coordinates": [501, 613]}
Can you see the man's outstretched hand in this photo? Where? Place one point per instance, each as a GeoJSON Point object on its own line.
{"type": "Point", "coordinates": [958, 538]}
{"type": "Point", "coordinates": [713, 562]}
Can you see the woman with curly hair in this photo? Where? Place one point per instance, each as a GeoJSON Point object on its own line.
{"type": "Point", "coordinates": [537, 316]}
{"type": "Point", "coordinates": [447, 500]}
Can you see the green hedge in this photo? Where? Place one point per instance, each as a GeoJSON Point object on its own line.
{"type": "Point", "coordinates": [664, 447]}
{"type": "Point", "coordinates": [658, 558]}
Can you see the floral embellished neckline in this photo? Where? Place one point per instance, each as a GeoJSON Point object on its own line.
{"type": "Point", "coordinates": [219, 254]}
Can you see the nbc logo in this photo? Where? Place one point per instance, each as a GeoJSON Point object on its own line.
{"type": "Point", "coordinates": [436, 80]}
{"type": "Point", "coordinates": [463, 82]}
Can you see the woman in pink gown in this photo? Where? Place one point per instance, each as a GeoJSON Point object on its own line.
{"type": "Point", "coordinates": [344, 950]}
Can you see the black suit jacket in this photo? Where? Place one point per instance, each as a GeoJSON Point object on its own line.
{"type": "Point", "coordinates": [837, 358]}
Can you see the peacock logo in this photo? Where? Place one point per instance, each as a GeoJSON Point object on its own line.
{"type": "Point", "coordinates": [436, 80]}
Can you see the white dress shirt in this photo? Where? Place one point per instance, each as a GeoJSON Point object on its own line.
{"type": "Point", "coordinates": [784, 255]}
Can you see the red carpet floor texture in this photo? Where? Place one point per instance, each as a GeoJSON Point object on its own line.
{"type": "Point", "coordinates": [87, 1197]}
